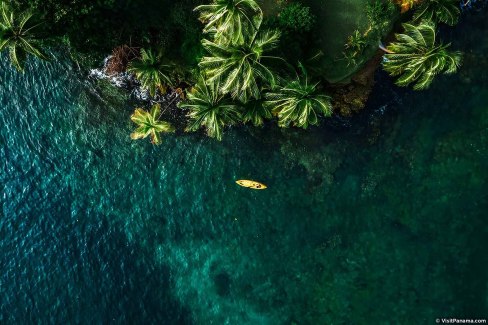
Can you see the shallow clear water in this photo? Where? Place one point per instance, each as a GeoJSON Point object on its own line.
{"type": "Point", "coordinates": [380, 221]}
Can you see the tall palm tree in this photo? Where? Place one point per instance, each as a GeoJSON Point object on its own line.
{"type": "Point", "coordinates": [299, 102]}
{"type": "Point", "coordinates": [416, 57]}
{"type": "Point", "coordinates": [240, 66]}
{"type": "Point", "coordinates": [18, 34]}
{"type": "Point", "coordinates": [210, 109]}
{"type": "Point", "coordinates": [445, 11]}
{"type": "Point", "coordinates": [230, 20]}
{"type": "Point", "coordinates": [152, 72]}
{"type": "Point", "coordinates": [148, 123]}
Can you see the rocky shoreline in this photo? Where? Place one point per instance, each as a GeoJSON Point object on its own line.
{"type": "Point", "coordinates": [347, 98]}
{"type": "Point", "coordinates": [351, 98]}
{"type": "Point", "coordinates": [128, 81]}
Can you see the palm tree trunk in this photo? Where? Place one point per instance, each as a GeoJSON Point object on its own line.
{"type": "Point", "coordinates": [167, 106]}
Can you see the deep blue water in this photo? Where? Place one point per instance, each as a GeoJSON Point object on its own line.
{"type": "Point", "coordinates": [382, 221]}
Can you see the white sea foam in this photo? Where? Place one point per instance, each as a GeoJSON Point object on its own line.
{"type": "Point", "coordinates": [129, 82]}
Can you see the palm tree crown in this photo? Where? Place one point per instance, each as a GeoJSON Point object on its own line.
{"type": "Point", "coordinates": [17, 33]}
{"type": "Point", "coordinates": [416, 57]}
{"type": "Point", "coordinates": [239, 66]}
{"type": "Point", "coordinates": [210, 109]}
{"type": "Point", "coordinates": [148, 124]}
{"type": "Point", "coordinates": [445, 11]}
{"type": "Point", "coordinates": [299, 103]}
{"type": "Point", "coordinates": [230, 20]}
{"type": "Point", "coordinates": [151, 72]}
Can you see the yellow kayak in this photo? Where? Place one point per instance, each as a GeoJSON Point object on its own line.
{"type": "Point", "coordinates": [251, 184]}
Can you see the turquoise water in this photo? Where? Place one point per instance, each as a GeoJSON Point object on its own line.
{"type": "Point", "coordinates": [380, 219]}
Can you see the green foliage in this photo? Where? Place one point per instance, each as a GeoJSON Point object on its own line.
{"type": "Point", "coordinates": [230, 20]}
{"type": "Point", "coordinates": [256, 112]}
{"type": "Point", "coordinates": [379, 12]}
{"type": "Point", "coordinates": [356, 43]}
{"type": "Point", "coordinates": [380, 15]}
{"type": "Point", "coordinates": [239, 65]}
{"type": "Point", "coordinates": [152, 73]}
{"type": "Point", "coordinates": [445, 11]}
{"type": "Point", "coordinates": [297, 17]}
{"type": "Point", "coordinates": [84, 23]}
{"type": "Point", "coordinates": [295, 44]}
{"type": "Point", "coordinates": [299, 103]}
{"type": "Point", "coordinates": [93, 28]}
{"type": "Point", "coordinates": [148, 124]}
{"type": "Point", "coordinates": [350, 57]}
{"type": "Point", "coordinates": [234, 66]}
{"type": "Point", "coordinates": [210, 109]}
{"type": "Point", "coordinates": [18, 35]}
{"type": "Point", "coordinates": [183, 20]}
{"type": "Point", "coordinates": [416, 57]}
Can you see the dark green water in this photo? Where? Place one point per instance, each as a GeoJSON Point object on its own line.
{"type": "Point", "coordinates": [381, 222]}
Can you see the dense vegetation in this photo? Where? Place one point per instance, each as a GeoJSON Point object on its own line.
{"type": "Point", "coordinates": [245, 64]}
{"type": "Point", "coordinates": [19, 34]}
{"type": "Point", "coordinates": [417, 58]}
{"type": "Point", "coordinates": [152, 72]}
{"type": "Point", "coordinates": [93, 28]}
{"type": "Point", "coordinates": [210, 109]}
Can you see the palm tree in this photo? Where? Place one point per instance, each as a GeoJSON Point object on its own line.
{"type": "Point", "coordinates": [210, 109]}
{"type": "Point", "coordinates": [445, 11]}
{"type": "Point", "coordinates": [17, 33]}
{"type": "Point", "coordinates": [299, 102]}
{"type": "Point", "coordinates": [239, 65]}
{"type": "Point", "coordinates": [151, 72]}
{"type": "Point", "coordinates": [149, 124]}
{"type": "Point", "coordinates": [256, 112]}
{"type": "Point", "coordinates": [230, 20]}
{"type": "Point", "coordinates": [416, 57]}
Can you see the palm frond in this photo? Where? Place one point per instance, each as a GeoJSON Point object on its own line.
{"type": "Point", "coordinates": [241, 67]}
{"type": "Point", "coordinates": [416, 58]}
{"type": "Point", "coordinates": [256, 112]}
{"type": "Point", "coordinates": [152, 73]}
{"type": "Point", "coordinates": [209, 109]}
{"type": "Point", "coordinates": [298, 103]}
{"type": "Point", "coordinates": [148, 123]}
{"type": "Point", "coordinates": [230, 20]}
{"type": "Point", "coordinates": [19, 35]}
{"type": "Point", "coordinates": [445, 11]}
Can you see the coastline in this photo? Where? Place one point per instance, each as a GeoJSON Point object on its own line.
{"type": "Point", "coordinates": [389, 211]}
{"type": "Point", "coordinates": [348, 98]}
